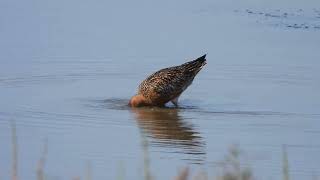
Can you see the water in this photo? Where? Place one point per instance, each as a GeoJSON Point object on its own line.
{"type": "Point", "coordinates": [68, 81]}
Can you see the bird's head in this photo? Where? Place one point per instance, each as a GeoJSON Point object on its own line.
{"type": "Point", "coordinates": [137, 101]}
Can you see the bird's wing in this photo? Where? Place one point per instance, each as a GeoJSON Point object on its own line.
{"type": "Point", "coordinates": [165, 84]}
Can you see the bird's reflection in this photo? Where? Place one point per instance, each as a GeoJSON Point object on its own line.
{"type": "Point", "coordinates": [168, 129]}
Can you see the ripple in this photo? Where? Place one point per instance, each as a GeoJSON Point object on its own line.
{"type": "Point", "coordinates": [293, 19]}
{"type": "Point", "coordinates": [187, 106]}
{"type": "Point", "coordinates": [122, 104]}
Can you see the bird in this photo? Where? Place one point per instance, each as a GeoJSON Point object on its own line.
{"type": "Point", "coordinates": [167, 84]}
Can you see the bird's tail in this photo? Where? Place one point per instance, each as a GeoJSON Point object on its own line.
{"type": "Point", "coordinates": [196, 65]}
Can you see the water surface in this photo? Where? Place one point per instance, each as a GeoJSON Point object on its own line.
{"type": "Point", "coordinates": [68, 81]}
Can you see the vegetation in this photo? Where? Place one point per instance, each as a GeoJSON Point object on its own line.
{"type": "Point", "coordinates": [231, 168]}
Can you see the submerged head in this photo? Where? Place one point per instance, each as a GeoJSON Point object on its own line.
{"type": "Point", "coordinates": [137, 101]}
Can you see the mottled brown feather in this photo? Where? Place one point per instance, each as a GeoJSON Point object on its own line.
{"type": "Point", "coordinates": [168, 83]}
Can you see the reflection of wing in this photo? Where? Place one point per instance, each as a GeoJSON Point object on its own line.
{"type": "Point", "coordinates": [167, 128]}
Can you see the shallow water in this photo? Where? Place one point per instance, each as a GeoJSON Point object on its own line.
{"type": "Point", "coordinates": [259, 89]}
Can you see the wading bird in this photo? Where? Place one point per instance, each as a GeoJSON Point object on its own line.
{"type": "Point", "coordinates": [167, 84]}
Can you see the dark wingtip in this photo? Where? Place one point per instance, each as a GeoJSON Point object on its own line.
{"type": "Point", "coordinates": [202, 57]}
{"type": "Point", "coordinates": [195, 65]}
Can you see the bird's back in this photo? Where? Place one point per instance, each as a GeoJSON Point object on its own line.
{"type": "Point", "coordinates": [166, 84]}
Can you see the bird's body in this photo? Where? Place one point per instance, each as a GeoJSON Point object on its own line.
{"type": "Point", "coordinates": [167, 84]}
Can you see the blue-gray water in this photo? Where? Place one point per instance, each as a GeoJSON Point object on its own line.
{"type": "Point", "coordinates": [69, 68]}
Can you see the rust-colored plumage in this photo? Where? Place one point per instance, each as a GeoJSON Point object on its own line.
{"type": "Point", "coordinates": [167, 84]}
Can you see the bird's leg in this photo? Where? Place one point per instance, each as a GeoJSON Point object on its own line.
{"type": "Point", "coordinates": [175, 101]}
